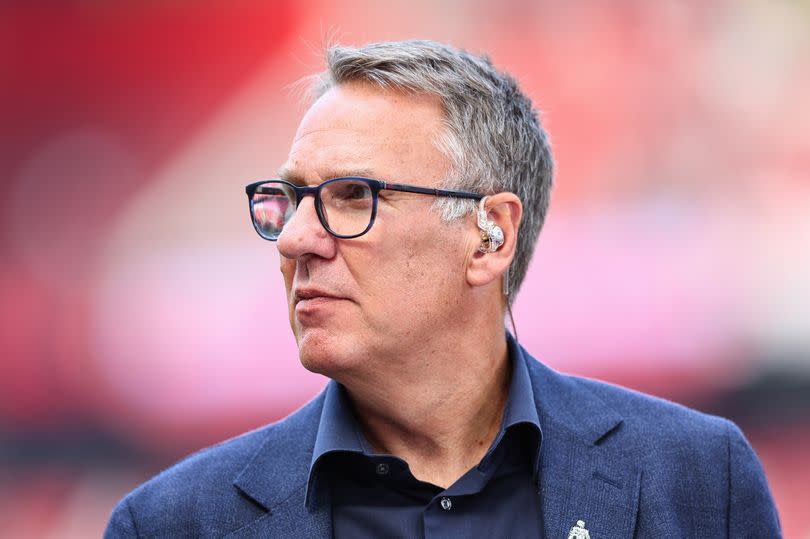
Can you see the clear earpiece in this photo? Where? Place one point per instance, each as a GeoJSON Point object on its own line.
{"type": "Point", "coordinates": [491, 234]}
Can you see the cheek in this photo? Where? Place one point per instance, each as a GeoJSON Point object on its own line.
{"type": "Point", "coordinates": [417, 268]}
{"type": "Point", "coordinates": [423, 275]}
{"type": "Point", "coordinates": [287, 267]}
{"type": "Point", "coordinates": [406, 268]}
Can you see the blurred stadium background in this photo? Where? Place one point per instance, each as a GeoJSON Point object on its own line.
{"type": "Point", "coordinates": [141, 317]}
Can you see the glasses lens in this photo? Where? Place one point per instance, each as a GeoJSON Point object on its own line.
{"type": "Point", "coordinates": [347, 206]}
{"type": "Point", "coordinates": [273, 204]}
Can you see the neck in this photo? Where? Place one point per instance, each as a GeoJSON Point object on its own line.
{"type": "Point", "coordinates": [442, 411]}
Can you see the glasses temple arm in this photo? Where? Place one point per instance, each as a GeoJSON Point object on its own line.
{"type": "Point", "coordinates": [429, 191]}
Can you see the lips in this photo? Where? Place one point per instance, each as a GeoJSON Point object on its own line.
{"type": "Point", "coordinates": [304, 294]}
{"type": "Point", "coordinates": [314, 306]}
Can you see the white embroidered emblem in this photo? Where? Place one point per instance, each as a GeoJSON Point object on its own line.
{"type": "Point", "coordinates": [579, 531]}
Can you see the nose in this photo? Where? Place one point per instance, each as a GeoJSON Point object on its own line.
{"type": "Point", "coordinates": [304, 234]}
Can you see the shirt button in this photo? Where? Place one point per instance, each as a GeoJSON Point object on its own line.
{"type": "Point", "coordinates": [446, 504]}
{"type": "Point", "coordinates": [382, 469]}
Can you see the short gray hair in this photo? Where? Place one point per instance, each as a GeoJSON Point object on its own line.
{"type": "Point", "coordinates": [494, 139]}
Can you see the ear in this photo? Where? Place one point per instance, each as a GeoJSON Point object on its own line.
{"type": "Point", "coordinates": [505, 210]}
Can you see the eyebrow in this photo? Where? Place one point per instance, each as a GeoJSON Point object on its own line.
{"type": "Point", "coordinates": [292, 176]}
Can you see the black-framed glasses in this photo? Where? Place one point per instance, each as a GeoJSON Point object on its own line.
{"type": "Point", "coordinates": [346, 207]}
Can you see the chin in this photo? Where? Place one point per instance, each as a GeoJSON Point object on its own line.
{"type": "Point", "coordinates": [326, 354]}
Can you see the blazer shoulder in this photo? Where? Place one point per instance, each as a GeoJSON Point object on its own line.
{"type": "Point", "coordinates": [650, 415]}
{"type": "Point", "coordinates": [200, 488]}
{"type": "Point", "coordinates": [641, 426]}
{"type": "Point", "coordinates": [599, 409]}
{"type": "Point", "coordinates": [667, 436]}
{"type": "Point", "coordinates": [692, 459]}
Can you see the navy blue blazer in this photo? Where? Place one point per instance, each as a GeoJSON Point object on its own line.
{"type": "Point", "coordinates": [627, 464]}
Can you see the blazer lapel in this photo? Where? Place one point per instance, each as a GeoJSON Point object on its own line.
{"type": "Point", "coordinates": [581, 482]}
{"type": "Point", "coordinates": [581, 476]}
{"type": "Point", "coordinates": [290, 519]}
{"type": "Point", "coordinates": [276, 479]}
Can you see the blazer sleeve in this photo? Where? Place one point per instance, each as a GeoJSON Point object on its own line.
{"type": "Point", "coordinates": [121, 523]}
{"type": "Point", "coordinates": [751, 511]}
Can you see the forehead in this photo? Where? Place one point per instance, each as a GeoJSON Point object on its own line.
{"type": "Point", "coordinates": [359, 129]}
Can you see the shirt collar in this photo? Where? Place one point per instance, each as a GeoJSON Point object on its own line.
{"type": "Point", "coordinates": [339, 431]}
{"type": "Point", "coordinates": [520, 405]}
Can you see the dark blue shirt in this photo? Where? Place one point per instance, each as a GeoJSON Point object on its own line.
{"type": "Point", "coordinates": [375, 495]}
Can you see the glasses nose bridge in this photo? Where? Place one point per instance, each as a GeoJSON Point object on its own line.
{"type": "Point", "coordinates": [300, 193]}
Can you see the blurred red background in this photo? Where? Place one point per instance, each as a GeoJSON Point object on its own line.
{"type": "Point", "coordinates": [142, 318]}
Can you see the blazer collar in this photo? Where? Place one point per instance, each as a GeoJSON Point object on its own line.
{"type": "Point", "coordinates": [566, 402]}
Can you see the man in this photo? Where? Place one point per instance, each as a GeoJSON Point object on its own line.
{"type": "Point", "coordinates": [405, 216]}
